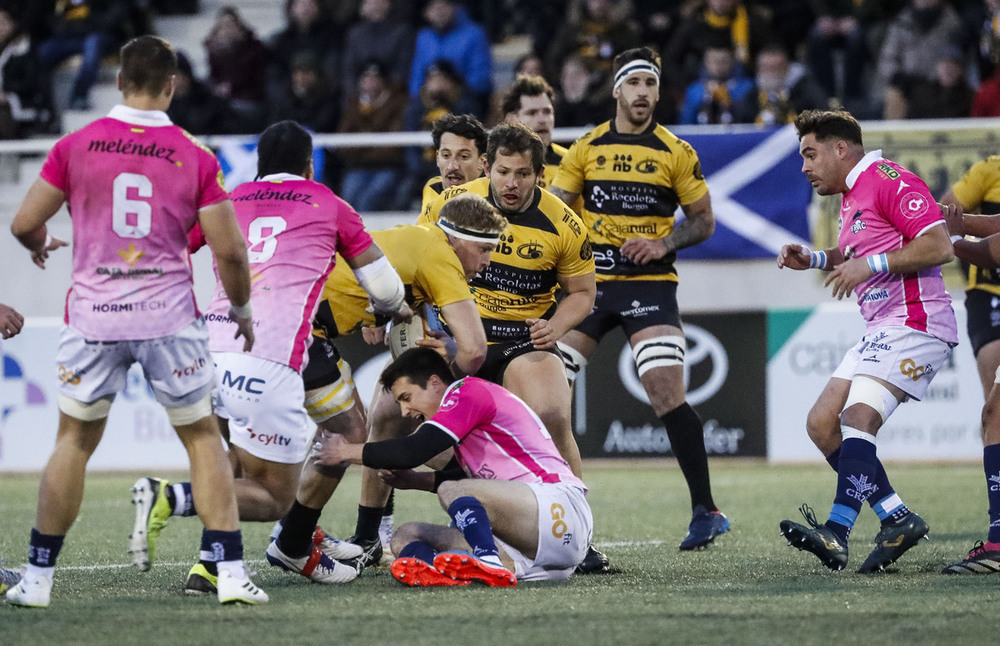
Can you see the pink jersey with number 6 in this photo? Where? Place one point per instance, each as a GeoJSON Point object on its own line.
{"type": "Point", "coordinates": [133, 183]}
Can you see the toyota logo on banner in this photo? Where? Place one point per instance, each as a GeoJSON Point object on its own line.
{"type": "Point", "coordinates": [702, 346]}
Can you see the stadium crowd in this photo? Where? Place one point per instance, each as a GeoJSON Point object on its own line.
{"type": "Point", "coordinates": [396, 66]}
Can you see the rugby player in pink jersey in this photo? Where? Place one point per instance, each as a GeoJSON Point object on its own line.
{"type": "Point", "coordinates": [892, 243]}
{"type": "Point", "coordinates": [135, 185]}
{"type": "Point", "coordinates": [517, 510]}
{"type": "Point", "coordinates": [294, 227]}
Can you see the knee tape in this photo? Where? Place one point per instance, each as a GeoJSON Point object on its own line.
{"type": "Point", "coordinates": [333, 399]}
{"type": "Point", "coordinates": [659, 352]}
{"type": "Point", "coordinates": [87, 412]}
{"type": "Point", "coordinates": [190, 414]}
{"type": "Point", "coordinates": [865, 390]}
{"type": "Point", "coordinates": [572, 359]}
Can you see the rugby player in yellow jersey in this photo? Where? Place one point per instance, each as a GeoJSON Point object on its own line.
{"type": "Point", "coordinates": [633, 174]}
{"type": "Point", "coordinates": [979, 190]}
{"type": "Point", "coordinates": [530, 101]}
{"type": "Point", "coordinates": [978, 193]}
{"type": "Point", "coordinates": [435, 264]}
{"type": "Point", "coordinates": [543, 249]}
{"type": "Point", "coordinates": [460, 142]}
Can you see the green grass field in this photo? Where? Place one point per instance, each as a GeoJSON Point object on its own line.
{"type": "Point", "coordinates": [750, 588]}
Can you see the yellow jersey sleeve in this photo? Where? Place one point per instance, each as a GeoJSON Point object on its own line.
{"type": "Point", "coordinates": [570, 175]}
{"type": "Point", "coordinates": [980, 184]}
{"type": "Point", "coordinates": [687, 178]}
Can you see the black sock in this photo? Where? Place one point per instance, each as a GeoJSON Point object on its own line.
{"type": "Point", "coordinates": [687, 442]}
{"type": "Point", "coordinates": [297, 529]}
{"type": "Point", "coordinates": [368, 521]}
{"type": "Point", "coordinates": [391, 505]}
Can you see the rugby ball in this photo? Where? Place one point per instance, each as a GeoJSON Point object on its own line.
{"type": "Point", "coordinates": [403, 336]}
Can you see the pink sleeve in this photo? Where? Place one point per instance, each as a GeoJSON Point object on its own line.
{"type": "Point", "coordinates": [54, 168]}
{"type": "Point", "coordinates": [352, 238]}
{"type": "Point", "coordinates": [196, 238]}
{"type": "Point", "coordinates": [211, 181]}
{"type": "Point", "coordinates": [466, 407]}
{"type": "Point", "coordinates": [912, 209]}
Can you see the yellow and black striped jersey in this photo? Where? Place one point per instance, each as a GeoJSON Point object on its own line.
{"type": "Point", "coordinates": [432, 189]}
{"type": "Point", "coordinates": [979, 192]}
{"type": "Point", "coordinates": [542, 243]}
{"type": "Point", "coordinates": [631, 186]}
{"type": "Point", "coordinates": [553, 157]}
{"type": "Point", "coordinates": [425, 262]}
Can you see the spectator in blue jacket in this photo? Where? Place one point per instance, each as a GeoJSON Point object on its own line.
{"type": "Point", "coordinates": [722, 95]}
{"type": "Point", "coordinates": [453, 36]}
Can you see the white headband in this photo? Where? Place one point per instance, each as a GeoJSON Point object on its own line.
{"type": "Point", "coordinates": [462, 233]}
{"type": "Point", "coordinates": [633, 67]}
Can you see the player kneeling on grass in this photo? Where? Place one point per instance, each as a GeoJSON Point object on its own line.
{"type": "Point", "coordinates": [519, 512]}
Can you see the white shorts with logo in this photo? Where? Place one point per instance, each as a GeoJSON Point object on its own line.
{"type": "Point", "coordinates": [565, 528]}
{"type": "Point", "coordinates": [263, 402]}
{"type": "Point", "coordinates": [177, 367]}
{"type": "Point", "coordinates": [906, 358]}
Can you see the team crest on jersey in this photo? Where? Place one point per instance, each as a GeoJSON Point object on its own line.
{"type": "Point", "coordinates": [601, 160]}
{"type": "Point", "coordinates": [646, 166]}
{"type": "Point", "coordinates": [530, 250]}
{"type": "Point", "coordinates": [914, 204]}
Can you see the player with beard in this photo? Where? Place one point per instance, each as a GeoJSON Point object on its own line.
{"type": "Point", "coordinates": [460, 142]}
{"type": "Point", "coordinates": [633, 174]}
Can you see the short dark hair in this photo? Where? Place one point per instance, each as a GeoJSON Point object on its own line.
{"type": "Point", "coordinates": [829, 124]}
{"type": "Point", "coordinates": [418, 365]}
{"type": "Point", "coordinates": [637, 54]}
{"type": "Point", "coordinates": [513, 138]}
{"type": "Point", "coordinates": [525, 85]}
{"type": "Point", "coordinates": [147, 63]}
{"type": "Point", "coordinates": [285, 147]}
{"type": "Point", "coordinates": [463, 125]}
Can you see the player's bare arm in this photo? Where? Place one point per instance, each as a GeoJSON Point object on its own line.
{"type": "Point", "coordinates": [799, 257]}
{"type": "Point", "coordinates": [40, 204]}
{"type": "Point", "coordinates": [697, 226]}
{"type": "Point", "coordinates": [467, 327]}
{"type": "Point", "coordinates": [972, 224]}
{"type": "Point", "coordinates": [218, 224]}
{"type": "Point", "coordinates": [930, 249]}
{"type": "Point", "coordinates": [580, 293]}
{"type": "Point", "coordinates": [407, 479]}
{"type": "Point", "coordinates": [984, 253]}
{"type": "Point", "coordinates": [565, 196]}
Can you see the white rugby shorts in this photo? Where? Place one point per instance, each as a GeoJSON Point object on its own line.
{"type": "Point", "coordinates": [263, 402]}
{"type": "Point", "coordinates": [906, 358]}
{"type": "Point", "coordinates": [177, 367]}
{"type": "Point", "coordinates": [565, 529]}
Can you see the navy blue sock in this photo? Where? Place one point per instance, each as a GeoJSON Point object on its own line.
{"type": "Point", "coordinates": [219, 546]}
{"type": "Point", "coordinates": [469, 516]}
{"type": "Point", "coordinates": [834, 459]}
{"type": "Point", "coordinates": [855, 483]}
{"type": "Point", "coordinates": [44, 548]}
{"type": "Point", "coordinates": [181, 493]}
{"type": "Point", "coordinates": [991, 464]}
{"type": "Point", "coordinates": [418, 550]}
{"type": "Point", "coordinates": [883, 500]}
